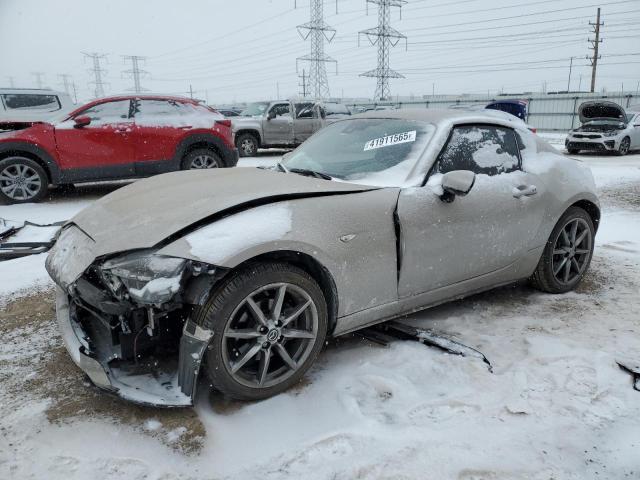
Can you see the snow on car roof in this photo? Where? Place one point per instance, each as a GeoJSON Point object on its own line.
{"type": "Point", "coordinates": [438, 115]}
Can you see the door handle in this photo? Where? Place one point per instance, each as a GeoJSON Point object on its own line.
{"type": "Point", "coordinates": [524, 191]}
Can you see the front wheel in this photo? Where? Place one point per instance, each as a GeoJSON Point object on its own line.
{"type": "Point", "coordinates": [22, 180]}
{"type": "Point", "coordinates": [247, 145]}
{"type": "Point", "coordinates": [269, 323]}
{"type": "Point", "coordinates": [625, 146]}
{"type": "Point", "coordinates": [568, 252]}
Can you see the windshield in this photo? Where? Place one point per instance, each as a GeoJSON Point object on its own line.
{"type": "Point", "coordinates": [255, 109]}
{"type": "Point", "coordinates": [368, 151]}
{"type": "Point", "coordinates": [336, 109]}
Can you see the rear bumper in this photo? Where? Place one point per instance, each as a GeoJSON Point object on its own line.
{"type": "Point", "coordinates": [153, 388]}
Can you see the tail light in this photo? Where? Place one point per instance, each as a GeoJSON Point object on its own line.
{"type": "Point", "coordinates": [226, 123]}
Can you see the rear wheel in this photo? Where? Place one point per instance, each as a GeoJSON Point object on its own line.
{"type": "Point", "coordinates": [22, 180]}
{"type": "Point", "coordinates": [269, 323]}
{"type": "Point", "coordinates": [568, 253]}
{"type": "Point", "coordinates": [201, 158]}
{"type": "Point", "coordinates": [247, 144]}
{"type": "Point", "coordinates": [625, 146]}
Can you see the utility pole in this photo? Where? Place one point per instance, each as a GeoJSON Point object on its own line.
{"type": "Point", "coordinates": [11, 82]}
{"type": "Point", "coordinates": [135, 73]}
{"type": "Point", "coordinates": [384, 36]}
{"type": "Point", "coordinates": [75, 92]}
{"type": "Point", "coordinates": [595, 44]}
{"type": "Point", "coordinates": [277, 90]}
{"type": "Point", "coordinates": [569, 82]}
{"type": "Point", "coordinates": [38, 76]}
{"type": "Point", "coordinates": [190, 91]}
{"type": "Point", "coordinates": [317, 31]}
{"type": "Point", "coordinates": [97, 71]}
{"type": "Point", "coordinates": [66, 83]}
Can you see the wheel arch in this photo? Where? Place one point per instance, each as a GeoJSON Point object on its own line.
{"type": "Point", "coordinates": [310, 265]}
{"type": "Point", "coordinates": [35, 153]}
{"type": "Point", "coordinates": [200, 140]}
{"type": "Point", "coordinates": [250, 131]}
{"type": "Point", "coordinates": [591, 208]}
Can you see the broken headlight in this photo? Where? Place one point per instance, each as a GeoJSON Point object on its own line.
{"type": "Point", "coordinates": [147, 277]}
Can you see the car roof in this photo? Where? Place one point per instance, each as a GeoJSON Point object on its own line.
{"type": "Point", "coordinates": [30, 91]}
{"type": "Point", "coordinates": [437, 115]}
{"type": "Point", "coordinates": [146, 96]}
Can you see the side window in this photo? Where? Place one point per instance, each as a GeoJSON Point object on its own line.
{"type": "Point", "coordinates": [281, 109]}
{"type": "Point", "coordinates": [108, 112]}
{"type": "Point", "coordinates": [305, 110]}
{"type": "Point", "coordinates": [486, 149]}
{"type": "Point", "coordinates": [149, 109]}
{"type": "Point", "coordinates": [21, 101]}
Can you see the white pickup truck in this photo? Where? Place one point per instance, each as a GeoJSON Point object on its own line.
{"type": "Point", "coordinates": [283, 123]}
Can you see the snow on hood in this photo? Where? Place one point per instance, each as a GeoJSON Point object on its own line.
{"type": "Point", "coordinates": [601, 110]}
{"type": "Point", "coordinates": [145, 213]}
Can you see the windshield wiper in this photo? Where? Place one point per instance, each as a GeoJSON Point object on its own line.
{"type": "Point", "coordinates": [311, 173]}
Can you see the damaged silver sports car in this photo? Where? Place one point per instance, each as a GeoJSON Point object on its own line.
{"type": "Point", "coordinates": [238, 276]}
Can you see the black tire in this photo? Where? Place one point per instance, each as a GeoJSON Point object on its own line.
{"type": "Point", "coordinates": [625, 146]}
{"type": "Point", "coordinates": [22, 180]}
{"type": "Point", "coordinates": [201, 158]}
{"type": "Point", "coordinates": [247, 144]}
{"type": "Point", "coordinates": [573, 151]}
{"type": "Point", "coordinates": [544, 277]}
{"type": "Point", "coordinates": [223, 313]}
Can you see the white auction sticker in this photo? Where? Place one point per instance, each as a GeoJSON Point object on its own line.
{"type": "Point", "coordinates": [389, 140]}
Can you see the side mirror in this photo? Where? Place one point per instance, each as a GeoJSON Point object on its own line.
{"type": "Point", "coordinates": [81, 121]}
{"type": "Point", "coordinates": [271, 115]}
{"type": "Point", "coordinates": [457, 182]}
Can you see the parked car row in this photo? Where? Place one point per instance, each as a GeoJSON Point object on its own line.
{"type": "Point", "coordinates": [112, 138]}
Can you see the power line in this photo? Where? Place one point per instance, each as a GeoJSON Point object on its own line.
{"type": "Point", "coordinates": [135, 73]}
{"type": "Point", "coordinates": [98, 72]}
{"type": "Point", "coordinates": [317, 31]}
{"type": "Point", "coordinates": [384, 36]}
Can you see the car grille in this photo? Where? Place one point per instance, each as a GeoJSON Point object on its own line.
{"type": "Point", "coordinates": [585, 146]}
{"type": "Point", "coordinates": [582, 135]}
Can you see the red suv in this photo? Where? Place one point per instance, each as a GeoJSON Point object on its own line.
{"type": "Point", "coordinates": [113, 138]}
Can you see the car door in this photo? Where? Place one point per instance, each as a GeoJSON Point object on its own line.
{"type": "Point", "coordinates": [159, 125]}
{"type": "Point", "coordinates": [278, 125]}
{"type": "Point", "coordinates": [103, 147]}
{"type": "Point", "coordinates": [306, 122]}
{"type": "Point", "coordinates": [486, 230]}
{"type": "Point", "coordinates": [635, 133]}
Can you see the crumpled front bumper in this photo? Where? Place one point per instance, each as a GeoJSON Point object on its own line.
{"type": "Point", "coordinates": [593, 144]}
{"type": "Point", "coordinates": [176, 389]}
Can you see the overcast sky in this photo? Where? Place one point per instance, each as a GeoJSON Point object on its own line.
{"type": "Point", "coordinates": [246, 49]}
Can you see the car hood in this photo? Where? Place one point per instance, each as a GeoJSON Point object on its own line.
{"type": "Point", "coordinates": [147, 212]}
{"type": "Point", "coordinates": [600, 110]}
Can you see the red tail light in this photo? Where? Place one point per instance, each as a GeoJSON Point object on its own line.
{"type": "Point", "coordinates": [226, 123]}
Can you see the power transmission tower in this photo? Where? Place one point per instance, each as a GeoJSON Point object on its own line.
{"type": "Point", "coordinates": [98, 83]}
{"type": "Point", "coordinates": [318, 31]}
{"type": "Point", "coordinates": [66, 83]}
{"type": "Point", "coordinates": [384, 36]}
{"type": "Point", "coordinates": [38, 76]}
{"type": "Point", "coordinates": [595, 44]}
{"type": "Point", "coordinates": [135, 72]}
{"type": "Point", "coordinates": [304, 83]}
{"type": "Point", "coordinates": [11, 82]}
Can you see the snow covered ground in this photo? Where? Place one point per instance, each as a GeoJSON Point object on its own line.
{"type": "Point", "coordinates": [556, 405]}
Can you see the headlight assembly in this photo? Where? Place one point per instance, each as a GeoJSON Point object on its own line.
{"type": "Point", "coordinates": [148, 278]}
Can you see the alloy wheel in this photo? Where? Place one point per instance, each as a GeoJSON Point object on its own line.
{"type": "Point", "coordinates": [624, 146]}
{"type": "Point", "coordinates": [204, 161]}
{"type": "Point", "coordinates": [20, 182]}
{"type": "Point", "coordinates": [269, 335]}
{"type": "Point", "coordinates": [248, 146]}
{"type": "Point", "coordinates": [571, 251]}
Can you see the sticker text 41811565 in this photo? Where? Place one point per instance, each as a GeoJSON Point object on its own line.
{"type": "Point", "coordinates": [389, 140]}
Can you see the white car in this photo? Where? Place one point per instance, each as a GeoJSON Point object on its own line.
{"type": "Point", "coordinates": [20, 107]}
{"type": "Point", "coordinates": [606, 127]}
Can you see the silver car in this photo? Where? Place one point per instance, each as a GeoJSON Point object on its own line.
{"type": "Point", "coordinates": [239, 275]}
{"type": "Point", "coordinates": [606, 127]}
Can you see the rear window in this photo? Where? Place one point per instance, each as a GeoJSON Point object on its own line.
{"type": "Point", "coordinates": [22, 101]}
